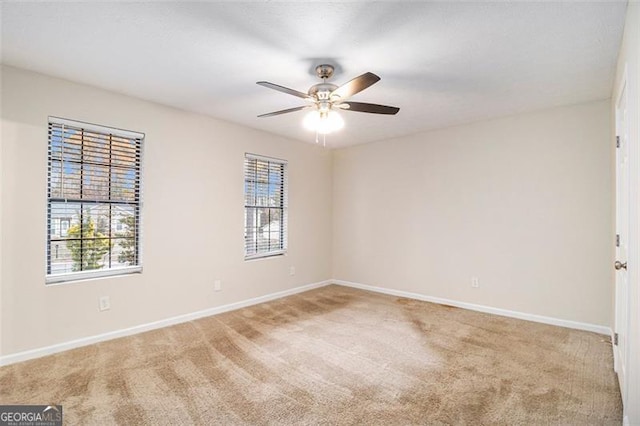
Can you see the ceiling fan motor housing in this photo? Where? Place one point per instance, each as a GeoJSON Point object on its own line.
{"type": "Point", "coordinates": [321, 91]}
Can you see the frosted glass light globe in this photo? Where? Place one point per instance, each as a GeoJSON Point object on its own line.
{"type": "Point", "coordinates": [323, 123]}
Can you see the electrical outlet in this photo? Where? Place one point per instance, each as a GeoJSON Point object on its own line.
{"type": "Point", "coordinates": [217, 285]}
{"type": "Point", "coordinates": [104, 303]}
{"type": "Point", "coordinates": [474, 282]}
{"type": "Point", "coordinates": [292, 270]}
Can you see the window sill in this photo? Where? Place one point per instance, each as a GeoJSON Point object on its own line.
{"type": "Point", "coordinates": [266, 255]}
{"type": "Point", "coordinates": [89, 275]}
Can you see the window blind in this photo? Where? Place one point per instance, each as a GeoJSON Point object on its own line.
{"type": "Point", "coordinates": [93, 200]}
{"type": "Point", "coordinates": [265, 206]}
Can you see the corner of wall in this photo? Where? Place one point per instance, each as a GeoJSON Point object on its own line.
{"type": "Point", "coordinates": [332, 170]}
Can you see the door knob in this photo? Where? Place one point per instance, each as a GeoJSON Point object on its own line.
{"type": "Point", "coordinates": [619, 265]}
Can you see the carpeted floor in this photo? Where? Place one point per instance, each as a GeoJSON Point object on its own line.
{"type": "Point", "coordinates": [334, 355]}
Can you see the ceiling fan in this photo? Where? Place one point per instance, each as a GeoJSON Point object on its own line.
{"type": "Point", "coordinates": [327, 98]}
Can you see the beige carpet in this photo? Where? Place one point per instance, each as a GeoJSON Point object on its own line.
{"type": "Point", "coordinates": [332, 356]}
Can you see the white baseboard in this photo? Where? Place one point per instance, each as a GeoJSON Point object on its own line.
{"type": "Point", "coordinates": [60, 347]}
{"type": "Point", "coordinates": [481, 308]}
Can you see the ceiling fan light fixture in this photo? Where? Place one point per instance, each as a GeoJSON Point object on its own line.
{"type": "Point", "coordinates": [326, 98]}
{"type": "Point", "coordinates": [323, 122]}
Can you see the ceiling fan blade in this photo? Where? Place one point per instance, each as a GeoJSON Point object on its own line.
{"type": "Point", "coordinates": [284, 89]}
{"type": "Point", "coordinates": [372, 108]}
{"type": "Point", "coordinates": [356, 85]}
{"type": "Point", "coordinates": [284, 111]}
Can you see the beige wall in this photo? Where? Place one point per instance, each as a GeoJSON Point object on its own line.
{"type": "Point", "coordinates": [523, 203]}
{"type": "Point", "coordinates": [193, 215]}
{"type": "Point", "coordinates": [629, 61]}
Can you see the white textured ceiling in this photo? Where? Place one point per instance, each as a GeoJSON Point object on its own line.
{"type": "Point", "coordinates": [442, 63]}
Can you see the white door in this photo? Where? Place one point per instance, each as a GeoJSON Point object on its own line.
{"type": "Point", "coordinates": [622, 238]}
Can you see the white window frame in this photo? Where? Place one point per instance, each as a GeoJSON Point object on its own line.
{"type": "Point", "coordinates": [97, 273]}
{"type": "Point", "coordinates": [283, 226]}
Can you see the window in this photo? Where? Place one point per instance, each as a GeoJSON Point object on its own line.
{"type": "Point", "coordinates": [265, 206]}
{"type": "Point", "coordinates": [93, 201]}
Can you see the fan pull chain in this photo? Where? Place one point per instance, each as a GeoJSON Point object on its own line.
{"type": "Point", "coordinates": [324, 139]}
